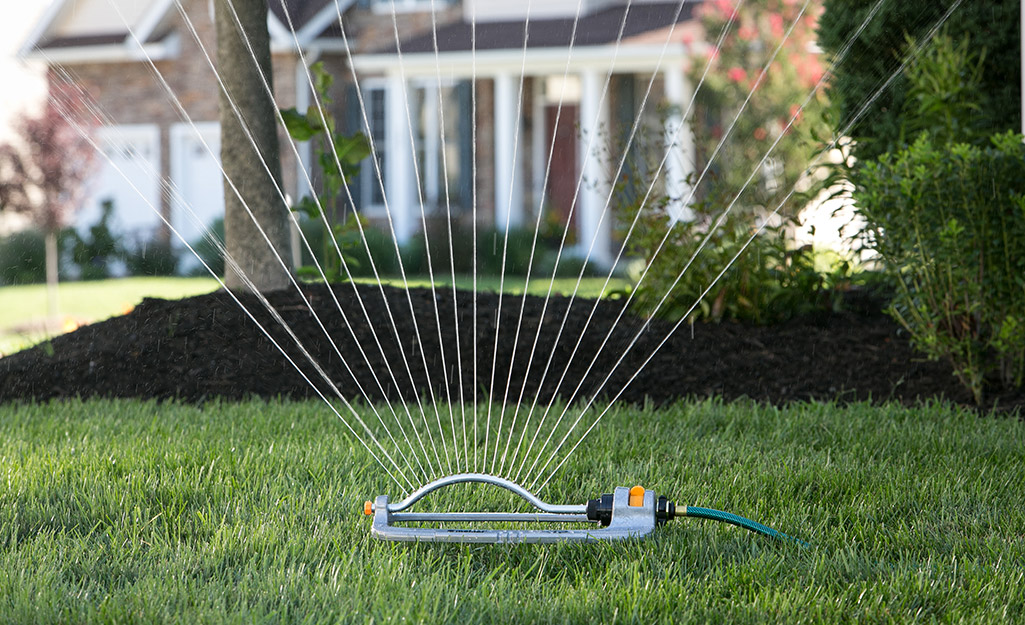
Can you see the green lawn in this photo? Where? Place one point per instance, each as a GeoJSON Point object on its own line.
{"type": "Point", "coordinates": [23, 308]}
{"type": "Point", "coordinates": [122, 512]}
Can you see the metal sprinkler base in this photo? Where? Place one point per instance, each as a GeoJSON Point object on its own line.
{"type": "Point", "coordinates": [626, 513]}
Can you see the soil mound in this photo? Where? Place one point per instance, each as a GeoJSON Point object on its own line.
{"type": "Point", "coordinates": [389, 344]}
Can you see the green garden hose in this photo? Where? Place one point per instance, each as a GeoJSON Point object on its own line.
{"type": "Point", "coordinates": [734, 519]}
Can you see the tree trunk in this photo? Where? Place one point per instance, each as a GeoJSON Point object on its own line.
{"type": "Point", "coordinates": [263, 264]}
{"type": "Point", "coordinates": [52, 262]}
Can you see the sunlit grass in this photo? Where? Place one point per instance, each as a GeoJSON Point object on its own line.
{"type": "Point", "coordinates": [23, 309]}
{"type": "Point", "coordinates": [142, 512]}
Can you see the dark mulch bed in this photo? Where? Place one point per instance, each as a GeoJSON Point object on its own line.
{"type": "Point", "coordinates": [206, 347]}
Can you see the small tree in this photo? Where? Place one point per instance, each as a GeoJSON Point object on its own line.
{"type": "Point", "coordinates": [43, 173]}
{"type": "Point", "coordinates": [758, 28]}
{"type": "Point", "coordinates": [256, 176]}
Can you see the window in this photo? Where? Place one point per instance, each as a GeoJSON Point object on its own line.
{"type": "Point", "coordinates": [427, 115]}
{"type": "Point", "coordinates": [438, 155]}
{"type": "Point", "coordinates": [370, 195]}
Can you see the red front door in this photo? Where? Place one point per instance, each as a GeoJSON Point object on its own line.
{"type": "Point", "coordinates": [562, 179]}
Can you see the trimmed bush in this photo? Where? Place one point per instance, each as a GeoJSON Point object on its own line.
{"type": "Point", "coordinates": [94, 252]}
{"type": "Point", "coordinates": [150, 258]}
{"type": "Point", "coordinates": [490, 244]}
{"type": "Point", "coordinates": [382, 249]}
{"type": "Point", "coordinates": [948, 222]}
{"type": "Point", "coordinates": [768, 282]}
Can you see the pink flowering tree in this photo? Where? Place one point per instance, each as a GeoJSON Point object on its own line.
{"type": "Point", "coordinates": [44, 170]}
{"type": "Point", "coordinates": [755, 31]}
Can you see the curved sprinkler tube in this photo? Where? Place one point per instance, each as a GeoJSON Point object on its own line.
{"type": "Point", "coordinates": [624, 513]}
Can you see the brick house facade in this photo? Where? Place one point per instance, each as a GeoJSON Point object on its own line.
{"type": "Point", "coordinates": [467, 56]}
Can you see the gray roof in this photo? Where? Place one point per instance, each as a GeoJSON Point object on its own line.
{"type": "Point", "coordinates": [599, 28]}
{"type": "Point", "coordinates": [300, 12]}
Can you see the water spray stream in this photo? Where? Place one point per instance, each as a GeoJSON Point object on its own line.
{"type": "Point", "coordinates": [861, 111]}
{"type": "Point", "coordinates": [85, 134]}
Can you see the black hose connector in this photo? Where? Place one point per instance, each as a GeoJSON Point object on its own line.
{"type": "Point", "coordinates": [600, 510]}
{"type": "Point", "coordinates": [664, 510]}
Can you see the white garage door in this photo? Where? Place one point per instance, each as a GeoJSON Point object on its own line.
{"type": "Point", "coordinates": [128, 176]}
{"type": "Point", "coordinates": [196, 174]}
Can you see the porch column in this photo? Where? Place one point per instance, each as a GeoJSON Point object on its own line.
{"type": "Point", "coordinates": [679, 144]}
{"type": "Point", "coordinates": [593, 229]}
{"type": "Point", "coordinates": [508, 174]}
{"type": "Point", "coordinates": [398, 160]}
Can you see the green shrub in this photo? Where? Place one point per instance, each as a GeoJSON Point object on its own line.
{"type": "Point", "coordinates": [414, 256]}
{"type": "Point", "coordinates": [878, 49]}
{"type": "Point", "coordinates": [569, 266]}
{"type": "Point", "coordinates": [93, 252]}
{"type": "Point", "coordinates": [768, 282]}
{"type": "Point", "coordinates": [490, 243]}
{"type": "Point", "coordinates": [23, 258]}
{"type": "Point", "coordinates": [382, 250]}
{"type": "Point", "coordinates": [150, 258]}
{"type": "Point", "coordinates": [948, 222]}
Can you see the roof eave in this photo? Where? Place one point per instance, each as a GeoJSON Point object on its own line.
{"type": "Point", "coordinates": [32, 41]}
{"type": "Point", "coordinates": [537, 60]}
{"type": "Point", "coordinates": [167, 48]}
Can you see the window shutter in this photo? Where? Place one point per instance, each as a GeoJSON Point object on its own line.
{"type": "Point", "coordinates": [353, 123]}
{"type": "Point", "coordinates": [464, 92]}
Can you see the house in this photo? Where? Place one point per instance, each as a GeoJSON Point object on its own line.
{"type": "Point", "coordinates": [463, 102]}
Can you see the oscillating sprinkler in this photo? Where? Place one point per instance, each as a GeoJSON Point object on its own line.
{"type": "Point", "coordinates": [625, 513]}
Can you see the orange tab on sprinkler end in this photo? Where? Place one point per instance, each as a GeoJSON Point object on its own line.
{"type": "Point", "coordinates": [637, 496]}
{"type": "Point", "coordinates": [368, 508]}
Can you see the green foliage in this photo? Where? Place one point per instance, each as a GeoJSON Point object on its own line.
{"type": "Point", "coordinates": [23, 258]}
{"type": "Point", "coordinates": [346, 236]}
{"type": "Point", "coordinates": [949, 224]}
{"type": "Point", "coordinates": [382, 250]}
{"type": "Point", "coordinates": [945, 215]}
{"type": "Point", "coordinates": [490, 244]}
{"type": "Point", "coordinates": [569, 266]}
{"type": "Point", "coordinates": [93, 252]}
{"type": "Point", "coordinates": [943, 97]}
{"type": "Point", "coordinates": [381, 245]}
{"type": "Point", "coordinates": [442, 260]}
{"type": "Point", "coordinates": [150, 258]}
{"type": "Point", "coordinates": [768, 282]}
{"type": "Point", "coordinates": [338, 156]}
{"type": "Point", "coordinates": [878, 51]}
{"type": "Point", "coordinates": [517, 245]}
